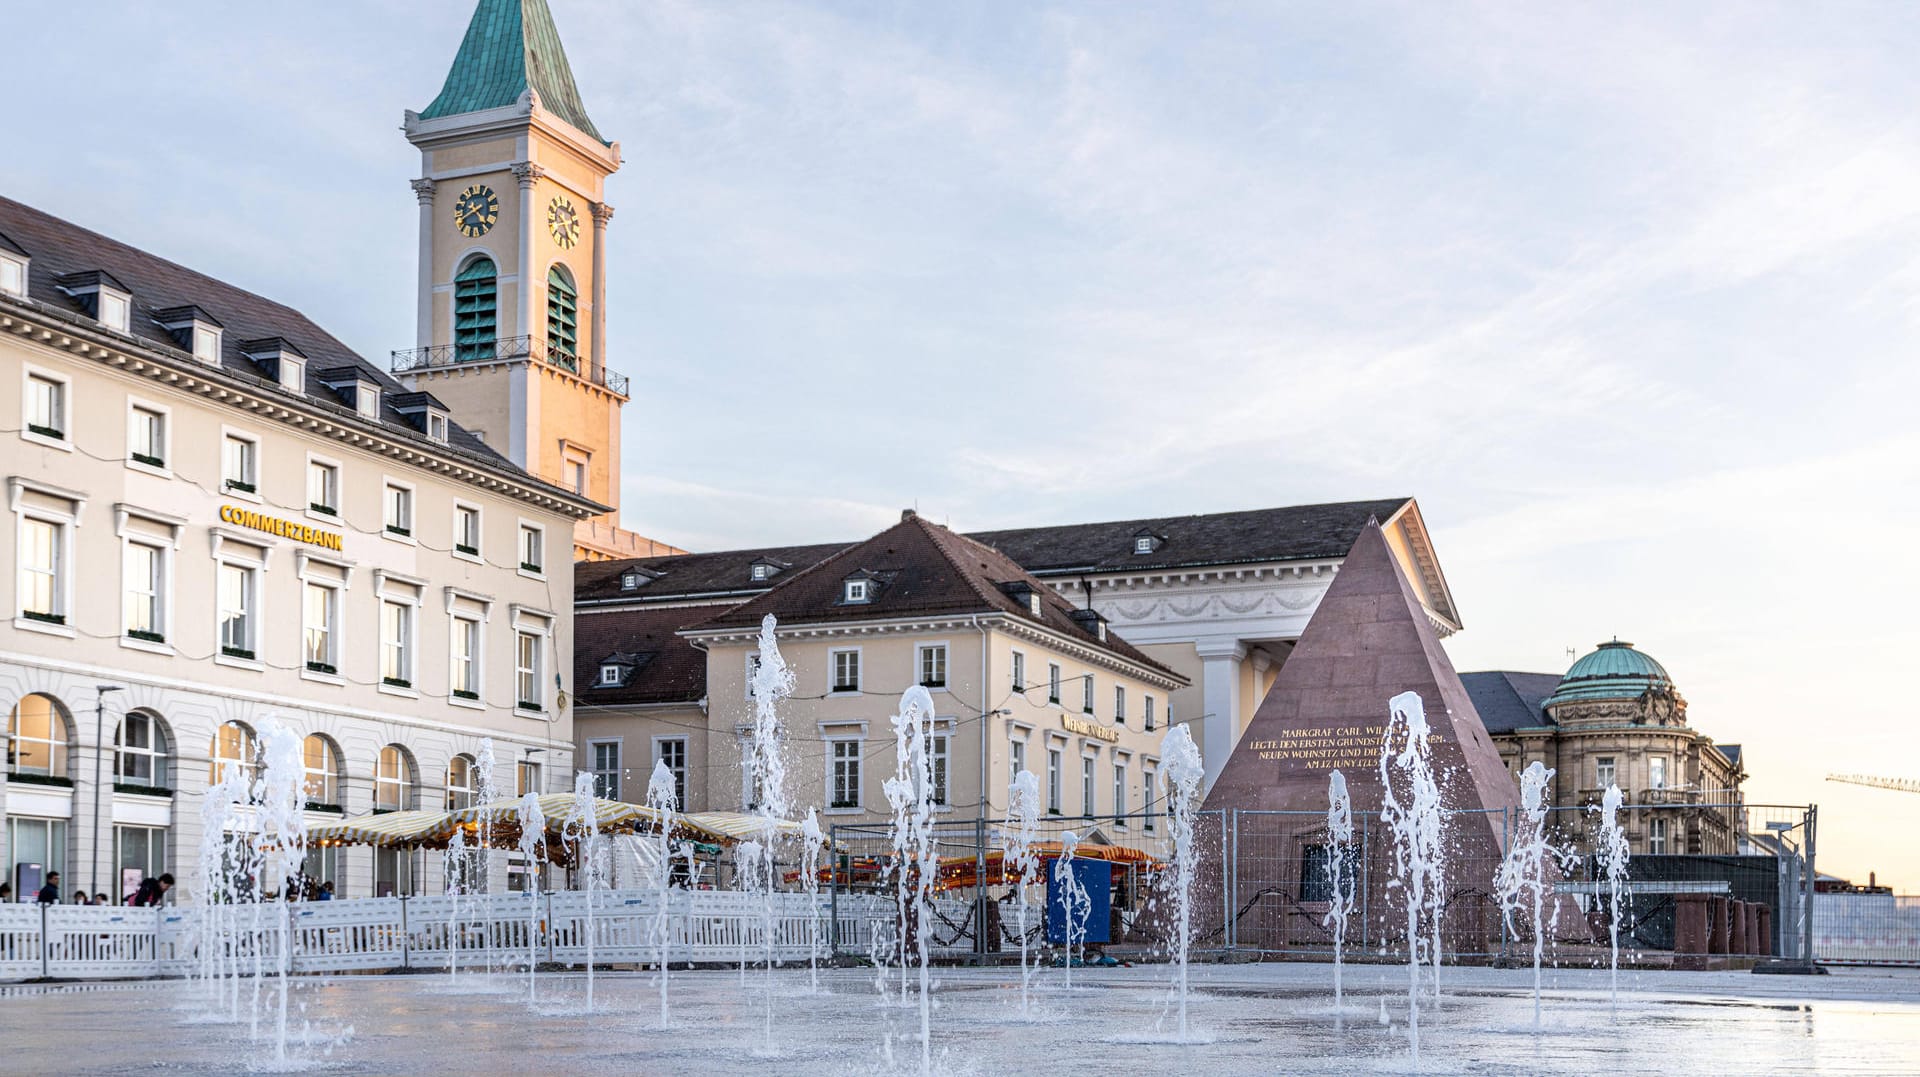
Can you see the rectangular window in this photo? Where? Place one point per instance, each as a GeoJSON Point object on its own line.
{"type": "Point", "coordinates": [141, 852]}
{"type": "Point", "coordinates": [526, 671]}
{"type": "Point", "coordinates": [576, 473]}
{"type": "Point", "coordinates": [437, 427]}
{"type": "Point", "coordinates": [1053, 683]}
{"type": "Point", "coordinates": [527, 779]}
{"type": "Point", "coordinates": [13, 276]}
{"type": "Point", "coordinates": [240, 466]}
{"type": "Point", "coordinates": [464, 666]}
{"type": "Point", "coordinates": [392, 872]}
{"type": "Point", "coordinates": [206, 344]}
{"type": "Point", "coordinates": [466, 530]}
{"type": "Point", "coordinates": [320, 612]}
{"type": "Point", "coordinates": [1054, 779]}
{"type": "Point", "coordinates": [846, 671]}
{"type": "Point", "coordinates": [845, 790]}
{"type": "Point", "coordinates": [399, 516]}
{"type": "Point", "coordinates": [42, 561]}
{"type": "Point", "coordinates": [147, 436]}
{"type": "Point", "coordinates": [933, 665]}
{"type": "Point", "coordinates": [1019, 672]}
{"type": "Point", "coordinates": [937, 755]}
{"type": "Point", "coordinates": [1086, 785]}
{"type": "Point", "coordinates": [237, 601]}
{"type": "Point", "coordinates": [1086, 694]}
{"type": "Point", "coordinates": [396, 644]}
{"type": "Point", "coordinates": [323, 488]}
{"type": "Point", "coordinates": [114, 311]}
{"type": "Point", "coordinates": [1603, 771]}
{"type": "Point", "coordinates": [672, 751]}
{"type": "Point", "coordinates": [533, 557]}
{"type": "Point", "coordinates": [1016, 759]}
{"type": "Point", "coordinates": [1656, 836]}
{"type": "Point", "coordinates": [1119, 705]}
{"type": "Point", "coordinates": [46, 407]}
{"type": "Point", "coordinates": [1148, 815]}
{"type": "Point", "coordinates": [1120, 794]}
{"type": "Point", "coordinates": [606, 768]}
{"type": "Point", "coordinates": [1656, 772]}
{"type": "Point", "coordinates": [144, 572]}
{"type": "Point", "coordinates": [1146, 712]}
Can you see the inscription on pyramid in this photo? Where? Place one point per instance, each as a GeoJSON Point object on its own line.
{"type": "Point", "coordinates": [1368, 641]}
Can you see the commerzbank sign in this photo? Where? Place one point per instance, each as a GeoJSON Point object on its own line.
{"type": "Point", "coordinates": [1089, 729]}
{"type": "Point", "coordinates": [273, 525]}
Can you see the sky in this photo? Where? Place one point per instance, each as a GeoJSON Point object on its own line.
{"type": "Point", "coordinates": [1628, 296]}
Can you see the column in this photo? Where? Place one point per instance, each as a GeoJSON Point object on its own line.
{"type": "Point", "coordinates": [602, 213]}
{"type": "Point", "coordinates": [423, 332]}
{"type": "Point", "coordinates": [1219, 700]}
{"type": "Point", "coordinates": [528, 174]}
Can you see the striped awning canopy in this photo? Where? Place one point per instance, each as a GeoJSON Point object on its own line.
{"type": "Point", "coordinates": [739, 826]}
{"type": "Point", "coordinates": [497, 825]}
{"type": "Point", "coordinates": [384, 829]}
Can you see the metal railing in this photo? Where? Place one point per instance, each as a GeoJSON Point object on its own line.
{"type": "Point", "coordinates": [502, 349]}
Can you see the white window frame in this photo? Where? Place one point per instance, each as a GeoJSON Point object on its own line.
{"type": "Point", "coordinates": [1150, 773]}
{"type": "Point", "coordinates": [570, 458]}
{"type": "Point", "coordinates": [410, 501]}
{"type": "Point", "coordinates": [609, 675]}
{"type": "Point", "coordinates": [539, 532]}
{"type": "Point", "coordinates": [168, 548]}
{"type": "Point", "coordinates": [1143, 544]}
{"type": "Point", "coordinates": [940, 749]}
{"type": "Point", "coordinates": [328, 772]}
{"type": "Point", "coordinates": [206, 343]}
{"type": "Point", "coordinates": [1056, 777]}
{"type": "Point", "coordinates": [1146, 712]}
{"type": "Point", "coordinates": [366, 401]}
{"type": "Point", "coordinates": [407, 781]}
{"type": "Point", "coordinates": [409, 646]}
{"type": "Point", "coordinates": [1657, 836]}
{"type": "Point", "coordinates": [437, 427]}
{"type": "Point", "coordinates": [234, 434]}
{"type": "Point", "coordinates": [122, 310]}
{"type": "Point", "coordinates": [858, 759]}
{"type": "Point", "coordinates": [1659, 772]}
{"type": "Point", "coordinates": [157, 754]}
{"type": "Point", "coordinates": [1606, 771]}
{"type": "Point", "coordinates": [28, 374]}
{"type": "Point", "coordinates": [13, 274]}
{"type": "Point", "coordinates": [336, 517]}
{"type": "Point", "coordinates": [479, 527]}
{"type": "Point", "coordinates": [1054, 685]}
{"type": "Point", "coordinates": [1016, 754]}
{"type": "Point", "coordinates": [682, 773]}
{"type": "Point", "coordinates": [1120, 791]}
{"type": "Point", "coordinates": [157, 593]}
{"type": "Point", "coordinates": [753, 668]}
{"type": "Point", "coordinates": [333, 607]}
{"type": "Point", "coordinates": [1090, 783]}
{"type": "Point", "coordinates": [135, 407]}
{"type": "Point", "coordinates": [476, 662]}
{"type": "Point", "coordinates": [602, 788]}
{"type": "Point", "coordinates": [1017, 671]}
{"type": "Point", "coordinates": [66, 525]}
{"type": "Point", "coordinates": [856, 592]}
{"type": "Point", "coordinates": [920, 651]}
{"type": "Point", "coordinates": [256, 573]}
{"type": "Point", "coordinates": [1086, 693]}
{"type": "Point", "coordinates": [833, 671]}
{"type": "Point", "coordinates": [1119, 704]}
{"type": "Point", "coordinates": [538, 673]}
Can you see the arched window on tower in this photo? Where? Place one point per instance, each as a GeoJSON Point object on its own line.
{"type": "Point", "coordinates": [475, 311]}
{"type": "Point", "coordinates": [563, 329]}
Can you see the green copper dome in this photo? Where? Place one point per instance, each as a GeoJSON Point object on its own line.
{"type": "Point", "coordinates": [1615, 671]}
{"type": "Point", "coordinates": [511, 45]}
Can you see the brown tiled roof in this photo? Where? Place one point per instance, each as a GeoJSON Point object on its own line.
{"type": "Point", "coordinates": [667, 669]}
{"type": "Point", "coordinates": [1291, 533]}
{"type": "Point", "coordinates": [921, 570]}
{"type": "Point", "coordinates": [682, 575]}
{"type": "Point", "coordinates": [58, 248]}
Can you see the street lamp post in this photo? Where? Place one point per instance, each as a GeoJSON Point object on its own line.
{"type": "Point", "coordinates": [99, 750]}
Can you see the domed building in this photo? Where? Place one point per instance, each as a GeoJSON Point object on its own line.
{"type": "Point", "coordinates": [1617, 718]}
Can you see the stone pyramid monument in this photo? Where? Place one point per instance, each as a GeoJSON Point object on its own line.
{"type": "Point", "coordinates": [1368, 641]}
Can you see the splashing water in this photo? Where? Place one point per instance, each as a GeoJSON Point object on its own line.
{"type": "Point", "coordinates": [1340, 879]}
{"type": "Point", "coordinates": [662, 799]}
{"type": "Point", "coordinates": [583, 828]}
{"type": "Point", "coordinates": [1613, 859]}
{"type": "Point", "coordinates": [1183, 772]}
{"type": "Point", "coordinates": [1415, 829]}
{"type": "Point", "coordinates": [910, 793]}
{"type": "Point", "coordinates": [1075, 904]}
{"type": "Point", "coordinates": [533, 840]}
{"type": "Point", "coordinates": [216, 887]}
{"type": "Point", "coordinates": [811, 841]}
{"type": "Point", "coordinates": [456, 863]}
{"type": "Point", "coordinates": [1522, 877]}
{"type": "Point", "coordinates": [281, 841]}
{"type": "Point", "coordinates": [1023, 804]}
{"type": "Point", "coordinates": [480, 860]}
{"type": "Point", "coordinates": [772, 684]}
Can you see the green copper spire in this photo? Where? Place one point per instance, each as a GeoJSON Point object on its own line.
{"type": "Point", "coordinates": [511, 45]}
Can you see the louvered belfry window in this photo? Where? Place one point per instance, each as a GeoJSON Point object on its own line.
{"type": "Point", "coordinates": [475, 320]}
{"type": "Point", "coordinates": [563, 333]}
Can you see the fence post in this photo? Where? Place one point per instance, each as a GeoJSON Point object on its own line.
{"type": "Point", "coordinates": [406, 937]}
{"type": "Point", "coordinates": [1506, 846]}
{"type": "Point", "coordinates": [835, 864]}
{"type": "Point", "coordinates": [46, 945]}
{"type": "Point", "coordinates": [1813, 819]}
{"type": "Point", "coordinates": [980, 889]}
{"type": "Point", "coordinates": [1233, 887]}
{"type": "Point", "coordinates": [551, 931]}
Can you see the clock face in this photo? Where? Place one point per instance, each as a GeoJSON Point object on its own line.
{"type": "Point", "coordinates": [564, 222]}
{"type": "Point", "coordinates": [475, 210]}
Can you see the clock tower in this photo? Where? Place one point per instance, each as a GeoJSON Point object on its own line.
{"type": "Point", "coordinates": [512, 288]}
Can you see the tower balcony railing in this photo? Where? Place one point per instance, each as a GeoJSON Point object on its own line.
{"type": "Point", "coordinates": [508, 348]}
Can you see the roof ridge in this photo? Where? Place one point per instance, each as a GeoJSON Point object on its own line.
{"type": "Point", "coordinates": [1201, 515]}
{"type": "Point", "coordinates": [938, 535]}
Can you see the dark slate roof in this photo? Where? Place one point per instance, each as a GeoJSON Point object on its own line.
{"type": "Point", "coordinates": [667, 669]}
{"type": "Point", "coordinates": [922, 569]}
{"type": "Point", "coordinates": [679, 576]}
{"type": "Point", "coordinates": [58, 248]}
{"type": "Point", "coordinates": [1293, 533]}
{"type": "Point", "coordinates": [1509, 701]}
{"type": "Point", "coordinates": [511, 46]}
{"type": "Point", "coordinates": [9, 245]}
{"type": "Point", "coordinates": [1731, 751]}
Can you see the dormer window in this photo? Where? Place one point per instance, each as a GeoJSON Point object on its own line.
{"type": "Point", "coordinates": [425, 411]}
{"type": "Point", "coordinates": [280, 360]}
{"type": "Point", "coordinates": [857, 591]}
{"type": "Point", "coordinates": [766, 568]}
{"type": "Point", "coordinates": [1091, 623]}
{"type": "Point", "coordinates": [13, 269]}
{"type": "Point", "coordinates": [194, 330]}
{"type": "Point", "coordinates": [110, 303]}
{"type": "Point", "coordinates": [1024, 593]}
{"type": "Point", "coordinates": [437, 427]}
{"type": "Point", "coordinates": [612, 674]}
{"type": "Point", "coordinates": [366, 400]}
{"type": "Point", "coordinates": [632, 581]}
{"type": "Point", "coordinates": [1146, 542]}
{"type": "Point", "coordinates": [762, 571]}
{"type": "Point", "coordinates": [357, 389]}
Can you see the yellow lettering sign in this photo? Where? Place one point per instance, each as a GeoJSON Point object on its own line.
{"type": "Point", "coordinates": [273, 525]}
{"type": "Point", "coordinates": [1088, 729]}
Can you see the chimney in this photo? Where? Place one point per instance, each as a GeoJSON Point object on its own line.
{"type": "Point", "coordinates": [907, 514]}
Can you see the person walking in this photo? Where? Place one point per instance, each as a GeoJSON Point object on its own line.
{"type": "Point", "coordinates": [50, 893]}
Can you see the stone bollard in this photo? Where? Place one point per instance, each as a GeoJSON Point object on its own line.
{"type": "Point", "coordinates": [1766, 932]}
{"type": "Point", "coordinates": [1736, 926]}
{"type": "Point", "coordinates": [1690, 931]}
{"type": "Point", "coordinates": [1717, 925]}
